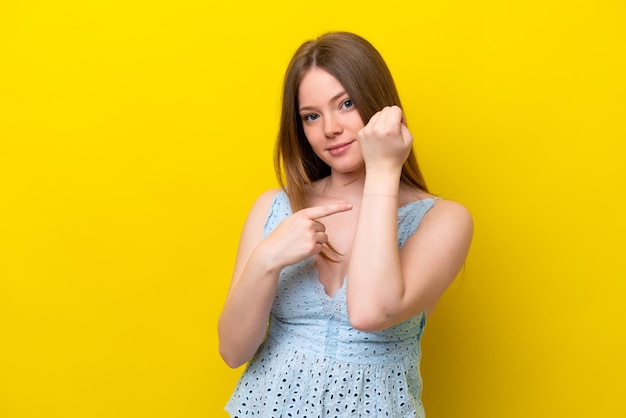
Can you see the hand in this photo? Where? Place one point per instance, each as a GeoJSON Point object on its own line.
{"type": "Point", "coordinates": [385, 140]}
{"type": "Point", "coordinates": [300, 235]}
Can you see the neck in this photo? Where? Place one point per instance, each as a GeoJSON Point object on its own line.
{"type": "Point", "coordinates": [344, 184]}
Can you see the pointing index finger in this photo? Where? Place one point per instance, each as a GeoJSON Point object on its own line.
{"type": "Point", "coordinates": [317, 212]}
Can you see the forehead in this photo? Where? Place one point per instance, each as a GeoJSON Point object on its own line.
{"type": "Point", "coordinates": [318, 85]}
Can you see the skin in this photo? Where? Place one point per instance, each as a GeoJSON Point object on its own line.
{"type": "Point", "coordinates": [357, 213]}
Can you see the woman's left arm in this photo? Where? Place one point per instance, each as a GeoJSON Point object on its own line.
{"type": "Point", "coordinates": [388, 285]}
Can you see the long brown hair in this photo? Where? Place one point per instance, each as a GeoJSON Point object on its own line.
{"type": "Point", "coordinates": [361, 70]}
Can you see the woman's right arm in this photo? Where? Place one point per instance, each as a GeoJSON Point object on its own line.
{"type": "Point", "coordinates": [243, 323]}
{"type": "Point", "coordinates": [244, 318]}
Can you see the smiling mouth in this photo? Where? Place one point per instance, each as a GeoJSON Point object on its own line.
{"type": "Point", "coordinates": [339, 147]}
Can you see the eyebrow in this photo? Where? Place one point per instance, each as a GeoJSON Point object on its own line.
{"type": "Point", "coordinates": [332, 99]}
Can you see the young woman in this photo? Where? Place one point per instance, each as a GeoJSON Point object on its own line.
{"type": "Point", "coordinates": [337, 270]}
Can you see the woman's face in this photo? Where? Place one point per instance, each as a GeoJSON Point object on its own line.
{"type": "Point", "coordinates": [330, 120]}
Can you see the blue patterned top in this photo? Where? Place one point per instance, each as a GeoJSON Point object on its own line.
{"type": "Point", "coordinates": [314, 364]}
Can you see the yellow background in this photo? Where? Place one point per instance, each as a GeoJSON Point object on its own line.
{"type": "Point", "coordinates": [134, 136]}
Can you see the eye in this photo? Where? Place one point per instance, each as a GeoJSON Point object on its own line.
{"type": "Point", "coordinates": [310, 117]}
{"type": "Point", "coordinates": [347, 104]}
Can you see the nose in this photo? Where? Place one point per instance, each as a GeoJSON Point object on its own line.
{"type": "Point", "coordinates": [332, 126]}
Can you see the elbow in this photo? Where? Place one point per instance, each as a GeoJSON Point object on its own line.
{"type": "Point", "coordinates": [230, 348]}
{"type": "Point", "coordinates": [368, 320]}
{"type": "Point", "coordinates": [236, 348]}
{"type": "Point", "coordinates": [233, 364]}
{"type": "Point", "coordinates": [231, 359]}
{"type": "Point", "coordinates": [232, 356]}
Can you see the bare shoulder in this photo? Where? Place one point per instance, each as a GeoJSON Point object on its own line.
{"type": "Point", "coordinates": [252, 232]}
{"type": "Point", "coordinates": [450, 215]}
{"type": "Point", "coordinates": [451, 208]}
{"type": "Point", "coordinates": [443, 237]}
{"type": "Point", "coordinates": [266, 198]}
{"type": "Point", "coordinates": [262, 204]}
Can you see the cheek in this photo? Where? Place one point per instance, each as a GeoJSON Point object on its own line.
{"type": "Point", "coordinates": [312, 134]}
{"type": "Point", "coordinates": [357, 121]}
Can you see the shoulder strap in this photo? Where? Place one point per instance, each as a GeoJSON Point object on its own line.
{"type": "Point", "coordinates": [279, 210]}
{"type": "Point", "coordinates": [410, 216]}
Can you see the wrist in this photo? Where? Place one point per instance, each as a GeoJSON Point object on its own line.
{"type": "Point", "coordinates": [382, 183]}
{"type": "Point", "coordinates": [265, 260]}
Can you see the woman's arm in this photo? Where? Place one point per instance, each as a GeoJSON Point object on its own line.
{"type": "Point", "coordinates": [243, 323]}
{"type": "Point", "coordinates": [387, 285]}
{"type": "Point", "coordinates": [244, 318]}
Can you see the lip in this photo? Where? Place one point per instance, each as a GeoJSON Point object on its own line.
{"type": "Point", "coordinates": [339, 148]}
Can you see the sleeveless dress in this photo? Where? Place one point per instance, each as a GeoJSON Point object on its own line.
{"type": "Point", "coordinates": [314, 364]}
